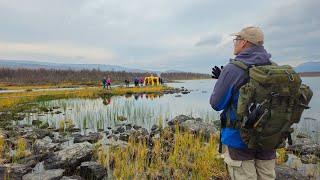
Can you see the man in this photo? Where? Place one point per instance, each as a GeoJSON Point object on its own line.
{"type": "Point", "coordinates": [242, 163]}
{"type": "Point", "coordinates": [104, 81]}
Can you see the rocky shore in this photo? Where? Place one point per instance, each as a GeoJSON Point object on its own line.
{"type": "Point", "coordinates": [51, 157]}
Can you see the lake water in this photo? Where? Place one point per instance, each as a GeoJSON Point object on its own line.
{"type": "Point", "coordinates": [146, 110]}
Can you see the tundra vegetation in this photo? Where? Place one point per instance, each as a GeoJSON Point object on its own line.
{"type": "Point", "coordinates": [174, 153]}
{"type": "Point", "coordinates": [15, 78]}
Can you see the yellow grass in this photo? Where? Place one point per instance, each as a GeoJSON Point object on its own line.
{"type": "Point", "coordinates": [191, 157]}
{"type": "Point", "coordinates": [3, 145]}
{"type": "Point", "coordinates": [281, 158]}
{"type": "Point", "coordinates": [10, 99]}
{"type": "Point", "coordinates": [62, 125]}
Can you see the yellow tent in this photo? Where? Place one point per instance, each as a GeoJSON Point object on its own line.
{"type": "Point", "coordinates": [151, 80]}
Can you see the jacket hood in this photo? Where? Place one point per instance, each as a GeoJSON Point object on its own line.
{"type": "Point", "coordinates": [256, 55]}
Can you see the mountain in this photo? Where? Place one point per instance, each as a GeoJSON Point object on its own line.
{"type": "Point", "coordinates": [46, 65]}
{"type": "Point", "coordinates": [173, 71]}
{"type": "Point", "coordinates": [308, 67]}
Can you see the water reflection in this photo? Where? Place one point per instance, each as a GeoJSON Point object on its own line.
{"type": "Point", "coordinates": [150, 96]}
{"type": "Point", "coordinates": [146, 109]}
{"type": "Point", "coordinates": [106, 99]}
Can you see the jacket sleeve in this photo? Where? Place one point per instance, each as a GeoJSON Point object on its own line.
{"type": "Point", "coordinates": [223, 89]}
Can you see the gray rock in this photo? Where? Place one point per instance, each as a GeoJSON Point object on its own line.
{"type": "Point", "coordinates": [53, 174]}
{"type": "Point", "coordinates": [21, 117]}
{"type": "Point", "coordinates": [92, 138]}
{"type": "Point", "coordinates": [301, 135]}
{"type": "Point", "coordinates": [284, 172]}
{"type": "Point", "coordinates": [12, 171]}
{"type": "Point", "coordinates": [44, 126]}
{"type": "Point", "coordinates": [197, 126]}
{"type": "Point", "coordinates": [124, 137]}
{"type": "Point", "coordinates": [217, 124]}
{"type": "Point", "coordinates": [92, 170]}
{"type": "Point", "coordinates": [128, 126]}
{"type": "Point", "coordinates": [309, 159]}
{"type": "Point", "coordinates": [72, 178]}
{"type": "Point", "coordinates": [39, 133]}
{"type": "Point", "coordinates": [121, 129]}
{"type": "Point", "coordinates": [70, 157]}
{"type": "Point", "coordinates": [58, 112]}
{"type": "Point", "coordinates": [114, 137]}
{"type": "Point", "coordinates": [305, 148]}
{"type": "Point", "coordinates": [154, 127]}
{"type": "Point", "coordinates": [136, 127]}
{"type": "Point", "coordinates": [121, 118]}
{"type": "Point", "coordinates": [44, 109]}
{"type": "Point", "coordinates": [33, 160]}
{"type": "Point", "coordinates": [179, 119]}
{"type": "Point", "coordinates": [36, 122]}
{"type": "Point", "coordinates": [45, 145]}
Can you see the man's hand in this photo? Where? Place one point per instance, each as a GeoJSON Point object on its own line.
{"type": "Point", "coordinates": [216, 72]}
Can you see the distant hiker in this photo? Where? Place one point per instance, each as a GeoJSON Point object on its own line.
{"type": "Point", "coordinates": [104, 81]}
{"type": "Point", "coordinates": [136, 81]}
{"type": "Point", "coordinates": [109, 83]}
{"type": "Point", "coordinates": [126, 82]}
{"type": "Point", "coordinates": [141, 81]}
{"type": "Point", "coordinates": [160, 81]}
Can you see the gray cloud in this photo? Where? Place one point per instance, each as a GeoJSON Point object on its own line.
{"type": "Point", "coordinates": [161, 34]}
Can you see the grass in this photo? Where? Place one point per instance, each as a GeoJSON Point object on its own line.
{"type": "Point", "coordinates": [189, 157]}
{"type": "Point", "coordinates": [9, 100]}
{"type": "Point", "coordinates": [62, 125]}
{"type": "Point", "coordinates": [21, 150]}
{"type": "Point", "coordinates": [281, 158]}
{"type": "Point", "coordinates": [3, 146]}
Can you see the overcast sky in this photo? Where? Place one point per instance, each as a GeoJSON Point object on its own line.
{"type": "Point", "coordinates": [188, 35]}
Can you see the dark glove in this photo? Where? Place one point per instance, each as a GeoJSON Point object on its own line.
{"type": "Point", "coordinates": [254, 116]}
{"type": "Point", "coordinates": [216, 72]}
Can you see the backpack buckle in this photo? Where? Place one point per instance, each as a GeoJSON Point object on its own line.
{"type": "Point", "coordinates": [290, 76]}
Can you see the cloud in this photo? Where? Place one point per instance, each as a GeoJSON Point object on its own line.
{"type": "Point", "coordinates": [62, 50]}
{"type": "Point", "coordinates": [158, 35]}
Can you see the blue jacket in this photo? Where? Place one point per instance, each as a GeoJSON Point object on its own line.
{"type": "Point", "coordinates": [227, 87]}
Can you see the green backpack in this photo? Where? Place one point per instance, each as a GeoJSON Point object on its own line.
{"type": "Point", "coordinates": [269, 104]}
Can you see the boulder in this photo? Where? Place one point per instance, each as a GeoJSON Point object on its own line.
{"type": "Point", "coordinates": [92, 170]}
{"type": "Point", "coordinates": [284, 172]}
{"type": "Point", "coordinates": [33, 160]}
{"type": "Point", "coordinates": [70, 157]}
{"type": "Point", "coordinates": [309, 159]}
{"type": "Point", "coordinates": [12, 171]}
{"type": "Point", "coordinates": [72, 178]}
{"type": "Point", "coordinates": [53, 174]}
{"type": "Point", "coordinates": [45, 145]}
{"type": "Point", "coordinates": [92, 138]}
{"type": "Point", "coordinates": [179, 119]}
{"type": "Point", "coordinates": [121, 129]}
{"type": "Point", "coordinates": [196, 127]}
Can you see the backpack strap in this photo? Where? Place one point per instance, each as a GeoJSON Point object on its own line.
{"type": "Point", "coordinates": [236, 124]}
{"type": "Point", "coordinates": [240, 64]}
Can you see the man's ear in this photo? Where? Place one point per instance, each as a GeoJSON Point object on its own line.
{"type": "Point", "coordinates": [244, 43]}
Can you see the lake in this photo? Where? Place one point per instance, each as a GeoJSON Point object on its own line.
{"type": "Point", "coordinates": [149, 109]}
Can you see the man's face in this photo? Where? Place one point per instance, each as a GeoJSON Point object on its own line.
{"type": "Point", "coordinates": [239, 44]}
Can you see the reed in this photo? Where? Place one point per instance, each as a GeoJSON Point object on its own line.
{"type": "Point", "coordinates": [3, 146]}
{"type": "Point", "coordinates": [21, 150]}
{"type": "Point", "coordinates": [62, 125]}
